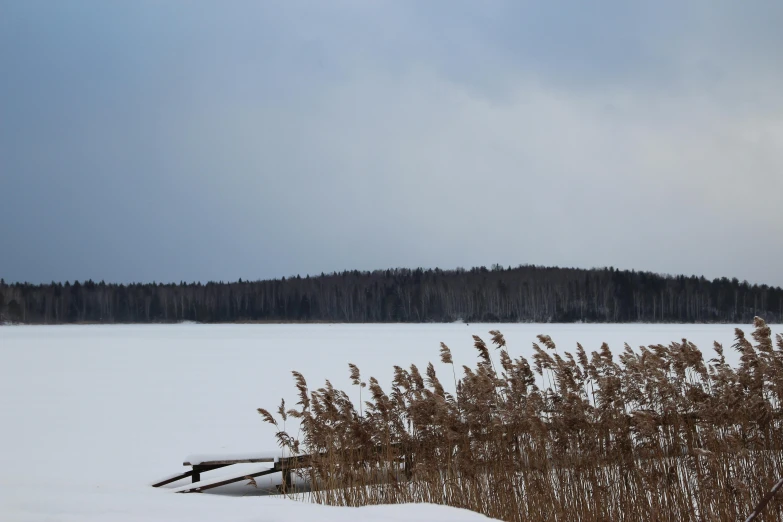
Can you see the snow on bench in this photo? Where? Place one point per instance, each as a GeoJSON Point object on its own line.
{"type": "Point", "coordinates": [207, 459]}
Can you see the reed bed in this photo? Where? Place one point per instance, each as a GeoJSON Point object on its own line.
{"type": "Point", "coordinates": [657, 433]}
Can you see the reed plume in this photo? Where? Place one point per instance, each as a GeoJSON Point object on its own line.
{"type": "Point", "coordinates": [655, 433]}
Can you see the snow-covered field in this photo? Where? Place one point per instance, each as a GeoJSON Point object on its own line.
{"type": "Point", "coordinates": [91, 415]}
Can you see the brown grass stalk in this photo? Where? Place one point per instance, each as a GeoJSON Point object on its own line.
{"type": "Point", "coordinates": [657, 433]}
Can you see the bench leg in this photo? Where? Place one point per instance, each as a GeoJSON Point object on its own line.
{"type": "Point", "coordinates": [196, 473]}
{"type": "Point", "coordinates": [199, 489]}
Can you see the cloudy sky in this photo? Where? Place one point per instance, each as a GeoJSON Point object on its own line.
{"type": "Point", "coordinates": [168, 141]}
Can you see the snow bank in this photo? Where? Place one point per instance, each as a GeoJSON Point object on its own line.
{"type": "Point", "coordinates": [91, 415]}
{"type": "Point", "coordinates": [68, 503]}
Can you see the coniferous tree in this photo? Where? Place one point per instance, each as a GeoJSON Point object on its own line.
{"type": "Point", "coordinates": [526, 293]}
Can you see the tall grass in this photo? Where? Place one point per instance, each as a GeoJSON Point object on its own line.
{"type": "Point", "coordinates": [657, 433]}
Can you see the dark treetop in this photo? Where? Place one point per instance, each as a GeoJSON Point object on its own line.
{"type": "Point", "coordinates": [525, 293]}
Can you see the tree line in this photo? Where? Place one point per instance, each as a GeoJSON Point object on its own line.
{"type": "Point", "coordinates": [497, 294]}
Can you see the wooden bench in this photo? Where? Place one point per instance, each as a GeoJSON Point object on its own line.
{"type": "Point", "coordinates": [201, 464]}
{"type": "Point", "coordinates": [284, 465]}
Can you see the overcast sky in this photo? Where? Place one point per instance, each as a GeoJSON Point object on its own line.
{"type": "Point", "coordinates": [168, 141]}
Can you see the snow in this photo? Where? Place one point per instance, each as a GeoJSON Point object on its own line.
{"type": "Point", "coordinates": [200, 458]}
{"type": "Point", "coordinates": [68, 503]}
{"type": "Point", "coordinates": [92, 415]}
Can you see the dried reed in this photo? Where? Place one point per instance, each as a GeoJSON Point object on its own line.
{"type": "Point", "coordinates": [654, 434]}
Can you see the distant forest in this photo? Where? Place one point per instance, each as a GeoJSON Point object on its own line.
{"type": "Point", "coordinates": [497, 294]}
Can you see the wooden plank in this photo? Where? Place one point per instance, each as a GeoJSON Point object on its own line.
{"type": "Point", "coordinates": [297, 459]}
{"type": "Point", "coordinates": [199, 489]}
{"type": "Point", "coordinates": [173, 479]}
{"type": "Point", "coordinates": [229, 462]}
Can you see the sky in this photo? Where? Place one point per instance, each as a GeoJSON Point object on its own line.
{"type": "Point", "coordinates": [203, 140]}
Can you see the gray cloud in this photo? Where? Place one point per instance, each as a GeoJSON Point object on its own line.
{"type": "Point", "coordinates": [155, 141]}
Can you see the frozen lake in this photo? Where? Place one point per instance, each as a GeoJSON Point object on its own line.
{"type": "Point", "coordinates": [109, 409]}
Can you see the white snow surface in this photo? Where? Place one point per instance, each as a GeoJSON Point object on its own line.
{"type": "Point", "coordinates": [92, 415]}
